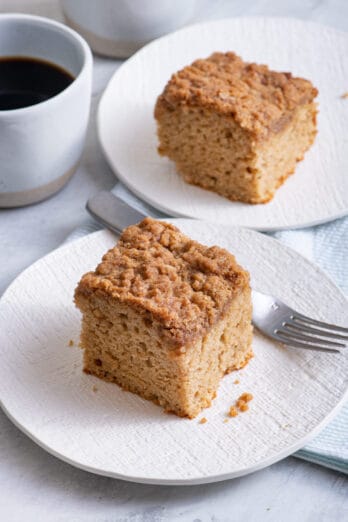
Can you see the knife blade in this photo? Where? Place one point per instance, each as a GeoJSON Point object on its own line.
{"type": "Point", "coordinates": [112, 211]}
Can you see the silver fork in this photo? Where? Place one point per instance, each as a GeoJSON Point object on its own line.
{"type": "Point", "coordinates": [285, 325]}
{"type": "Point", "coordinates": [270, 316]}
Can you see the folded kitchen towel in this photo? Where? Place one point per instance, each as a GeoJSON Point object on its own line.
{"type": "Point", "coordinates": [327, 246]}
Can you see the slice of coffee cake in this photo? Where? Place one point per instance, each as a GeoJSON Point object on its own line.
{"type": "Point", "coordinates": [165, 317]}
{"type": "Point", "coordinates": [235, 128]}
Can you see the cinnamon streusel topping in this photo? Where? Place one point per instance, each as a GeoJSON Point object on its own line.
{"type": "Point", "coordinates": [182, 285]}
{"type": "Point", "coordinates": [260, 100]}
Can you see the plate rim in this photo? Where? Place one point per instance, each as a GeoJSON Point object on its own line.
{"type": "Point", "coordinates": [154, 203]}
{"type": "Point", "coordinates": [288, 451]}
{"type": "Point", "coordinates": [211, 479]}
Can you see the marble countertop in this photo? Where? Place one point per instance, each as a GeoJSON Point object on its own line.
{"type": "Point", "coordinates": [35, 486]}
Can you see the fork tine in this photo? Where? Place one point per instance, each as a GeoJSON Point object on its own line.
{"type": "Point", "coordinates": [302, 318]}
{"type": "Point", "coordinates": [299, 327]}
{"type": "Point", "coordinates": [307, 345]}
{"type": "Point", "coordinates": [308, 338]}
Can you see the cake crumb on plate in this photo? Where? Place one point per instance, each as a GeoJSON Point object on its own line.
{"type": "Point", "coordinates": [246, 397]}
{"type": "Point", "coordinates": [233, 411]}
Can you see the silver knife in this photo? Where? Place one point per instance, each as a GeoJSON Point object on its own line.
{"type": "Point", "coordinates": [113, 212]}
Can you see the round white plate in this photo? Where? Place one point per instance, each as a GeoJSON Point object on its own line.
{"type": "Point", "coordinates": [316, 193]}
{"type": "Point", "coordinates": [96, 426]}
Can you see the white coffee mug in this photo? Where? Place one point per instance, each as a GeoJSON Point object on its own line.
{"type": "Point", "coordinates": [119, 27]}
{"type": "Point", "coordinates": [40, 145]}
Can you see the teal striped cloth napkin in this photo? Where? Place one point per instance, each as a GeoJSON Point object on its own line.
{"type": "Point", "coordinates": [327, 246]}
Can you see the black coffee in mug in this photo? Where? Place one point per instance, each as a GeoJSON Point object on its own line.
{"type": "Point", "coordinates": [26, 81]}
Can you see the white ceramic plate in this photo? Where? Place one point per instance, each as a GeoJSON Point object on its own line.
{"type": "Point", "coordinates": [318, 192]}
{"type": "Point", "coordinates": [110, 432]}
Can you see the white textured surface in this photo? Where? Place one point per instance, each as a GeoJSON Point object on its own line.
{"type": "Point", "coordinates": [118, 434]}
{"type": "Point", "coordinates": [318, 191]}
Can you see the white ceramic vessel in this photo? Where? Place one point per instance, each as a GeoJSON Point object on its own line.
{"type": "Point", "coordinates": [40, 145]}
{"type": "Point", "coordinates": [119, 27]}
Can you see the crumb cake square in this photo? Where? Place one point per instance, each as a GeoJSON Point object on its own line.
{"type": "Point", "coordinates": [235, 128]}
{"type": "Point", "coordinates": [165, 317]}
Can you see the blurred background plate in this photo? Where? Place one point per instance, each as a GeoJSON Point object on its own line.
{"type": "Point", "coordinates": [316, 193]}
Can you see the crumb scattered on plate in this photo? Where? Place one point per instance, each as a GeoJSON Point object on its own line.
{"type": "Point", "coordinates": [241, 404]}
{"type": "Point", "coordinates": [237, 381]}
{"type": "Point", "coordinates": [246, 397]}
{"type": "Point", "coordinates": [233, 411]}
{"type": "Point", "coordinates": [203, 420]}
{"type": "Point", "coordinates": [71, 342]}
{"type": "Point", "coordinates": [95, 389]}
{"type": "Point", "coordinates": [345, 95]}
